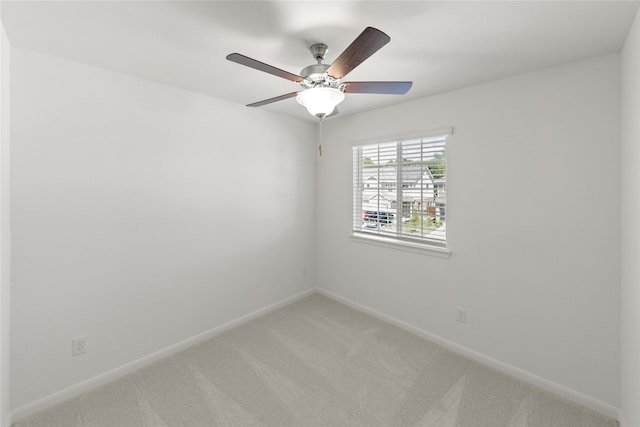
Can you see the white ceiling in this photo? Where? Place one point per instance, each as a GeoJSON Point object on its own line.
{"type": "Point", "coordinates": [439, 46]}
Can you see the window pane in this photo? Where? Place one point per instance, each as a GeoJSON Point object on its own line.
{"type": "Point", "coordinates": [400, 190]}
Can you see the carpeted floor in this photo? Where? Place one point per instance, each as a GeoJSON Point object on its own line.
{"type": "Point", "coordinates": [317, 363]}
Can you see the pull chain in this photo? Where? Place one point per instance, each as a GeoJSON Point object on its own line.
{"type": "Point", "coordinates": [320, 137]}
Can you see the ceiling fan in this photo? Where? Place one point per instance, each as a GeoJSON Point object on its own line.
{"type": "Point", "coordinates": [323, 88]}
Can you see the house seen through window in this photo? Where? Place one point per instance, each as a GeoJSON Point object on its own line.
{"type": "Point", "coordinates": [399, 190]}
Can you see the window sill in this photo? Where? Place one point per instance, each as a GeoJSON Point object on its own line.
{"type": "Point", "coordinates": [386, 242]}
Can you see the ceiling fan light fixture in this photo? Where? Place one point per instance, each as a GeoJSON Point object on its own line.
{"type": "Point", "coordinates": [320, 101]}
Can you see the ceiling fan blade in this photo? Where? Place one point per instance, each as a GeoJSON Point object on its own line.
{"type": "Point", "coordinates": [275, 99]}
{"type": "Point", "coordinates": [365, 45]}
{"type": "Point", "coordinates": [387, 88]}
{"type": "Point", "coordinates": [261, 66]}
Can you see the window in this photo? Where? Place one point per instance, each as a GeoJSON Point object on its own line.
{"type": "Point", "coordinates": [399, 190]}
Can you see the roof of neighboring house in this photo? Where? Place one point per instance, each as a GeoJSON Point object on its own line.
{"type": "Point", "coordinates": [408, 195]}
{"type": "Point", "coordinates": [410, 173]}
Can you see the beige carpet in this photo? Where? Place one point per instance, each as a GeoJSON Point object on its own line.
{"type": "Point", "coordinates": [317, 363]}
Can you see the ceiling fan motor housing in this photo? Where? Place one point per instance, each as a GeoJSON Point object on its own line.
{"type": "Point", "coordinates": [314, 75]}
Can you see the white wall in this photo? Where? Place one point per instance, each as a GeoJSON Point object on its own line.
{"type": "Point", "coordinates": [533, 225]}
{"type": "Point", "coordinates": [630, 216]}
{"type": "Point", "coordinates": [5, 231]}
{"type": "Point", "coordinates": [144, 215]}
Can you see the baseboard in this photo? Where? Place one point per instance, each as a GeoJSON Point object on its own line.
{"type": "Point", "coordinates": [112, 375]}
{"type": "Point", "coordinates": [560, 390]}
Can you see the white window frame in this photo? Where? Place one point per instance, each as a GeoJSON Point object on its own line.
{"type": "Point", "coordinates": [392, 240]}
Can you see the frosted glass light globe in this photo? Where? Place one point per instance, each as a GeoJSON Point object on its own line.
{"type": "Point", "coordinates": [320, 101]}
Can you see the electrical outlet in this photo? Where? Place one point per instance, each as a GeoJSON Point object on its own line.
{"type": "Point", "coordinates": [461, 315]}
{"type": "Point", "coordinates": [78, 346]}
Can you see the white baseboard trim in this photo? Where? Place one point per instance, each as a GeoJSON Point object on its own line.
{"type": "Point", "coordinates": [560, 390]}
{"type": "Point", "coordinates": [75, 390]}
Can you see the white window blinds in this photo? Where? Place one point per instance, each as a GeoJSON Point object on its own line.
{"type": "Point", "coordinates": [399, 190]}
